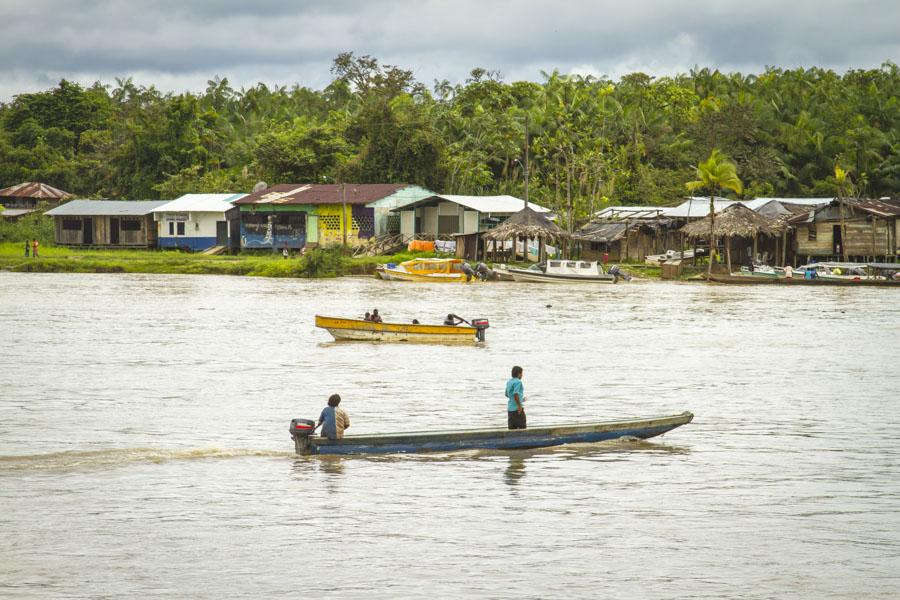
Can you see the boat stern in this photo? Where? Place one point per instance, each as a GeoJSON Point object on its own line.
{"type": "Point", "coordinates": [301, 430]}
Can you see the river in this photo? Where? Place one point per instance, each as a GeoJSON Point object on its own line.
{"type": "Point", "coordinates": [144, 447]}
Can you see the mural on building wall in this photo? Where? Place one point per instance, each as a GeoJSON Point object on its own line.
{"type": "Point", "coordinates": [273, 230]}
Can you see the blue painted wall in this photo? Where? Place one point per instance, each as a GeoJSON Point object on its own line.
{"type": "Point", "coordinates": [295, 240]}
{"type": "Point", "coordinates": [194, 243]}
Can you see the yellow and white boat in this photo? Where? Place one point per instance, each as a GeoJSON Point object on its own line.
{"type": "Point", "coordinates": [359, 330]}
{"type": "Point", "coordinates": [443, 270]}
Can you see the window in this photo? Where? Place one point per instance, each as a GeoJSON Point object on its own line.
{"type": "Point", "coordinates": [181, 228]}
{"type": "Point", "coordinates": [811, 232]}
{"type": "Point", "coordinates": [171, 228]}
{"type": "Point", "coordinates": [448, 224]}
{"type": "Point", "coordinates": [71, 224]}
{"type": "Point", "coordinates": [131, 225]}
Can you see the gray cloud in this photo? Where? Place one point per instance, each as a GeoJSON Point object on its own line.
{"type": "Point", "coordinates": [178, 45]}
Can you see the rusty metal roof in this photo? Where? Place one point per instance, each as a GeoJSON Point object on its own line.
{"type": "Point", "coordinates": [879, 208]}
{"type": "Point", "coordinates": [31, 189]}
{"type": "Point", "coordinates": [319, 193]}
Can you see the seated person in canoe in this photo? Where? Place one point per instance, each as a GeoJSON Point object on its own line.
{"type": "Point", "coordinates": [334, 419]}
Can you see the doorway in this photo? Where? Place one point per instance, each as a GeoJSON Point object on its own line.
{"type": "Point", "coordinates": [114, 230]}
{"type": "Point", "coordinates": [87, 231]}
{"type": "Point", "coordinates": [837, 242]}
{"type": "Point", "coordinates": [221, 233]}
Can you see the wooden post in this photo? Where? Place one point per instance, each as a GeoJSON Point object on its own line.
{"type": "Point", "coordinates": [694, 258]}
{"type": "Point", "coordinates": [784, 247]}
{"type": "Point", "coordinates": [755, 247]}
{"type": "Point", "coordinates": [344, 211]}
{"type": "Point", "coordinates": [526, 160]}
{"type": "Point", "coordinates": [728, 252]}
{"type": "Point", "coordinates": [777, 253]}
{"type": "Point", "coordinates": [874, 249]}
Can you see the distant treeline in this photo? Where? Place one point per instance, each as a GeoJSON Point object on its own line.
{"type": "Point", "coordinates": [592, 141]}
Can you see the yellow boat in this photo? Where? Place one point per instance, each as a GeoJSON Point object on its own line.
{"type": "Point", "coordinates": [443, 270]}
{"type": "Point", "coordinates": [359, 330]}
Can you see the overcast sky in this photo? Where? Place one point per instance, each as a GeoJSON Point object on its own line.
{"type": "Point", "coordinates": [178, 45]}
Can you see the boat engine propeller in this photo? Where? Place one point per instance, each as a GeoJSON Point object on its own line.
{"type": "Point", "coordinates": [300, 430]}
{"type": "Point", "coordinates": [618, 273]}
{"type": "Point", "coordinates": [480, 325]}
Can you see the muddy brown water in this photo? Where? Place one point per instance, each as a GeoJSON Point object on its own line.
{"type": "Point", "coordinates": [144, 446]}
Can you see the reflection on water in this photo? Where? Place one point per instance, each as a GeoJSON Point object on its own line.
{"type": "Point", "coordinates": [515, 470]}
{"type": "Point", "coordinates": [146, 416]}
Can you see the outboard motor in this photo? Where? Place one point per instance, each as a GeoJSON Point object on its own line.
{"type": "Point", "coordinates": [468, 270]}
{"type": "Point", "coordinates": [300, 430]}
{"type": "Point", "coordinates": [480, 325]}
{"type": "Point", "coordinates": [484, 272]}
{"type": "Point", "coordinates": [618, 273]}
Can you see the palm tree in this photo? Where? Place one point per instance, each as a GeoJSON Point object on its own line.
{"type": "Point", "coordinates": [716, 172]}
{"type": "Point", "coordinates": [842, 183]}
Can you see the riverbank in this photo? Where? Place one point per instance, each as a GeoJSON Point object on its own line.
{"type": "Point", "coordinates": [317, 263]}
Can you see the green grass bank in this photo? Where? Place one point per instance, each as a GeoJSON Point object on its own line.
{"type": "Point", "coordinates": [330, 262]}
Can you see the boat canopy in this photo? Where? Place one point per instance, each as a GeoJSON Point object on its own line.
{"type": "Point", "coordinates": [572, 267]}
{"type": "Point", "coordinates": [433, 265]}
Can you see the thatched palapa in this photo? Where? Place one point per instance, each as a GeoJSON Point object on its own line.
{"type": "Point", "coordinates": [529, 224]}
{"type": "Point", "coordinates": [735, 221]}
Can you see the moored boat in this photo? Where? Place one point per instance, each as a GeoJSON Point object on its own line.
{"type": "Point", "coordinates": [564, 271]}
{"type": "Point", "coordinates": [670, 255]}
{"type": "Point", "coordinates": [369, 331]}
{"type": "Point", "coordinates": [440, 270]}
{"type": "Point", "coordinates": [305, 442]}
{"type": "Point", "coordinates": [799, 280]}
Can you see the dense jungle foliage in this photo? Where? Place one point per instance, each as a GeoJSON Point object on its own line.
{"type": "Point", "coordinates": [592, 141]}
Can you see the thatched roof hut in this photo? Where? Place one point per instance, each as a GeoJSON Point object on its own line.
{"type": "Point", "coordinates": [735, 221]}
{"type": "Point", "coordinates": [528, 224]}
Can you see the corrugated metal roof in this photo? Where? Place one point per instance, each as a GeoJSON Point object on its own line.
{"type": "Point", "coordinates": [878, 208]}
{"type": "Point", "coordinates": [12, 213]}
{"type": "Point", "coordinates": [316, 193]}
{"type": "Point", "coordinates": [100, 208]}
{"type": "Point", "coordinates": [200, 203]}
{"type": "Point", "coordinates": [601, 232]}
{"type": "Point", "coordinates": [33, 189]}
{"type": "Point", "coordinates": [696, 207]}
{"type": "Point", "coordinates": [484, 204]}
{"type": "Point", "coordinates": [757, 203]}
{"type": "Point", "coordinates": [629, 212]}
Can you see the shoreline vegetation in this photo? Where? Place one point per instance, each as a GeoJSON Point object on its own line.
{"type": "Point", "coordinates": [317, 263]}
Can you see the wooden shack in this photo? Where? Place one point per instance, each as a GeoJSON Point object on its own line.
{"type": "Point", "coordinates": [106, 223]}
{"type": "Point", "coordinates": [627, 234]}
{"type": "Point", "coordinates": [25, 198]}
{"type": "Point", "coordinates": [871, 231]}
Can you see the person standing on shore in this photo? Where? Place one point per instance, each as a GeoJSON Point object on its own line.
{"type": "Point", "coordinates": [34, 248]}
{"type": "Point", "coordinates": [27, 246]}
{"type": "Point", "coordinates": [515, 401]}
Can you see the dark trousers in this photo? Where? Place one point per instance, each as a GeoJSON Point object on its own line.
{"type": "Point", "coordinates": [515, 419]}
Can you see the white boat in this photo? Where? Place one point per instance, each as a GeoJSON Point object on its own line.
{"type": "Point", "coordinates": [564, 271]}
{"type": "Point", "coordinates": [670, 255]}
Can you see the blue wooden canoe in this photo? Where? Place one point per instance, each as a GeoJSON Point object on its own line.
{"type": "Point", "coordinates": [471, 439]}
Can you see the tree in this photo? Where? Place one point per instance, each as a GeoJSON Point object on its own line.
{"type": "Point", "coordinates": [716, 172]}
{"type": "Point", "coordinates": [842, 184]}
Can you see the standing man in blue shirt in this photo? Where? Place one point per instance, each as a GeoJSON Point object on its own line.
{"type": "Point", "coordinates": [515, 400]}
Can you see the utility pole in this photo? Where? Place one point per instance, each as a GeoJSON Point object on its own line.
{"type": "Point", "coordinates": [526, 160]}
{"type": "Point", "coordinates": [344, 211]}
